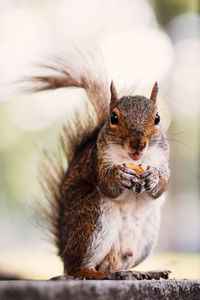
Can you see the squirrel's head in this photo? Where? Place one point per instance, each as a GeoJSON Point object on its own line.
{"type": "Point", "coordinates": [134, 121]}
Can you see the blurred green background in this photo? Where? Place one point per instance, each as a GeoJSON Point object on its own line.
{"type": "Point", "coordinates": [142, 41]}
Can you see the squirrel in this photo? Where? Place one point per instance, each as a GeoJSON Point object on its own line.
{"type": "Point", "coordinates": [105, 217]}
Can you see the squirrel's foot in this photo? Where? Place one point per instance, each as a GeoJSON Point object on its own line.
{"type": "Point", "coordinates": [135, 275]}
{"type": "Point", "coordinates": [92, 274]}
{"type": "Point", "coordinates": [132, 179]}
{"type": "Point", "coordinates": [125, 177]}
{"type": "Point", "coordinates": [150, 179]}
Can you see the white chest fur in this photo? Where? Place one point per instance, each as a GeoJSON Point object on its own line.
{"type": "Point", "coordinates": [140, 224]}
{"type": "Point", "coordinates": [130, 224]}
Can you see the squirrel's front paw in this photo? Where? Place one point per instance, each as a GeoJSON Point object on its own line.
{"type": "Point", "coordinates": [127, 178]}
{"type": "Point", "coordinates": [150, 179]}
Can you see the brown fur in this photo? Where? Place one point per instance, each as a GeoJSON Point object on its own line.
{"type": "Point", "coordinates": [92, 274]}
{"type": "Point", "coordinates": [81, 205]}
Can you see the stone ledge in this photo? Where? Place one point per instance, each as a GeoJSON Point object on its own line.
{"type": "Point", "coordinates": [100, 290]}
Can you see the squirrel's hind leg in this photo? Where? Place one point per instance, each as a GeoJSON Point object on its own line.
{"type": "Point", "coordinates": [93, 274]}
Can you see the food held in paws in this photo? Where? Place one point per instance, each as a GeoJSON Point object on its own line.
{"type": "Point", "coordinates": [139, 169]}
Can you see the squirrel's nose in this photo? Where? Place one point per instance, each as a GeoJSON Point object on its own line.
{"type": "Point", "coordinates": [138, 143]}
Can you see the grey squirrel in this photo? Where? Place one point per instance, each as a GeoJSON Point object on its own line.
{"type": "Point", "coordinates": [105, 216]}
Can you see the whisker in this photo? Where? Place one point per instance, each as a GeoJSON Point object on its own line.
{"type": "Point", "coordinates": [177, 141]}
{"type": "Point", "coordinates": [169, 140]}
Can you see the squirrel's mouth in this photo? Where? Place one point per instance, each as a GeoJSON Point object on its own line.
{"type": "Point", "coordinates": [135, 155]}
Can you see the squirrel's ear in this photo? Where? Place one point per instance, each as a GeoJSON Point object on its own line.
{"type": "Point", "coordinates": [114, 97]}
{"type": "Point", "coordinates": [154, 92]}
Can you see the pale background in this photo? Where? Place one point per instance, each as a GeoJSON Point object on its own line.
{"type": "Point", "coordinates": [142, 41]}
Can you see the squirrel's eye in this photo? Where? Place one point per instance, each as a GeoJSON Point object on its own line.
{"type": "Point", "coordinates": [157, 119]}
{"type": "Point", "coordinates": [114, 118]}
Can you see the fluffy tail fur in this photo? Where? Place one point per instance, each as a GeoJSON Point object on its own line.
{"type": "Point", "coordinates": [81, 70]}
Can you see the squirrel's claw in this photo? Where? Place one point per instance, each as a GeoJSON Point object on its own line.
{"type": "Point", "coordinates": [138, 188]}
{"type": "Point", "coordinates": [136, 184]}
{"type": "Point", "coordinates": [150, 179]}
{"type": "Point", "coordinates": [131, 180]}
{"type": "Point", "coordinates": [127, 178]}
{"type": "Point", "coordinates": [125, 183]}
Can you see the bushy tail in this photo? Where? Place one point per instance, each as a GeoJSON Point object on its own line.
{"type": "Point", "coordinates": [81, 70]}
{"type": "Point", "coordinates": [52, 168]}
